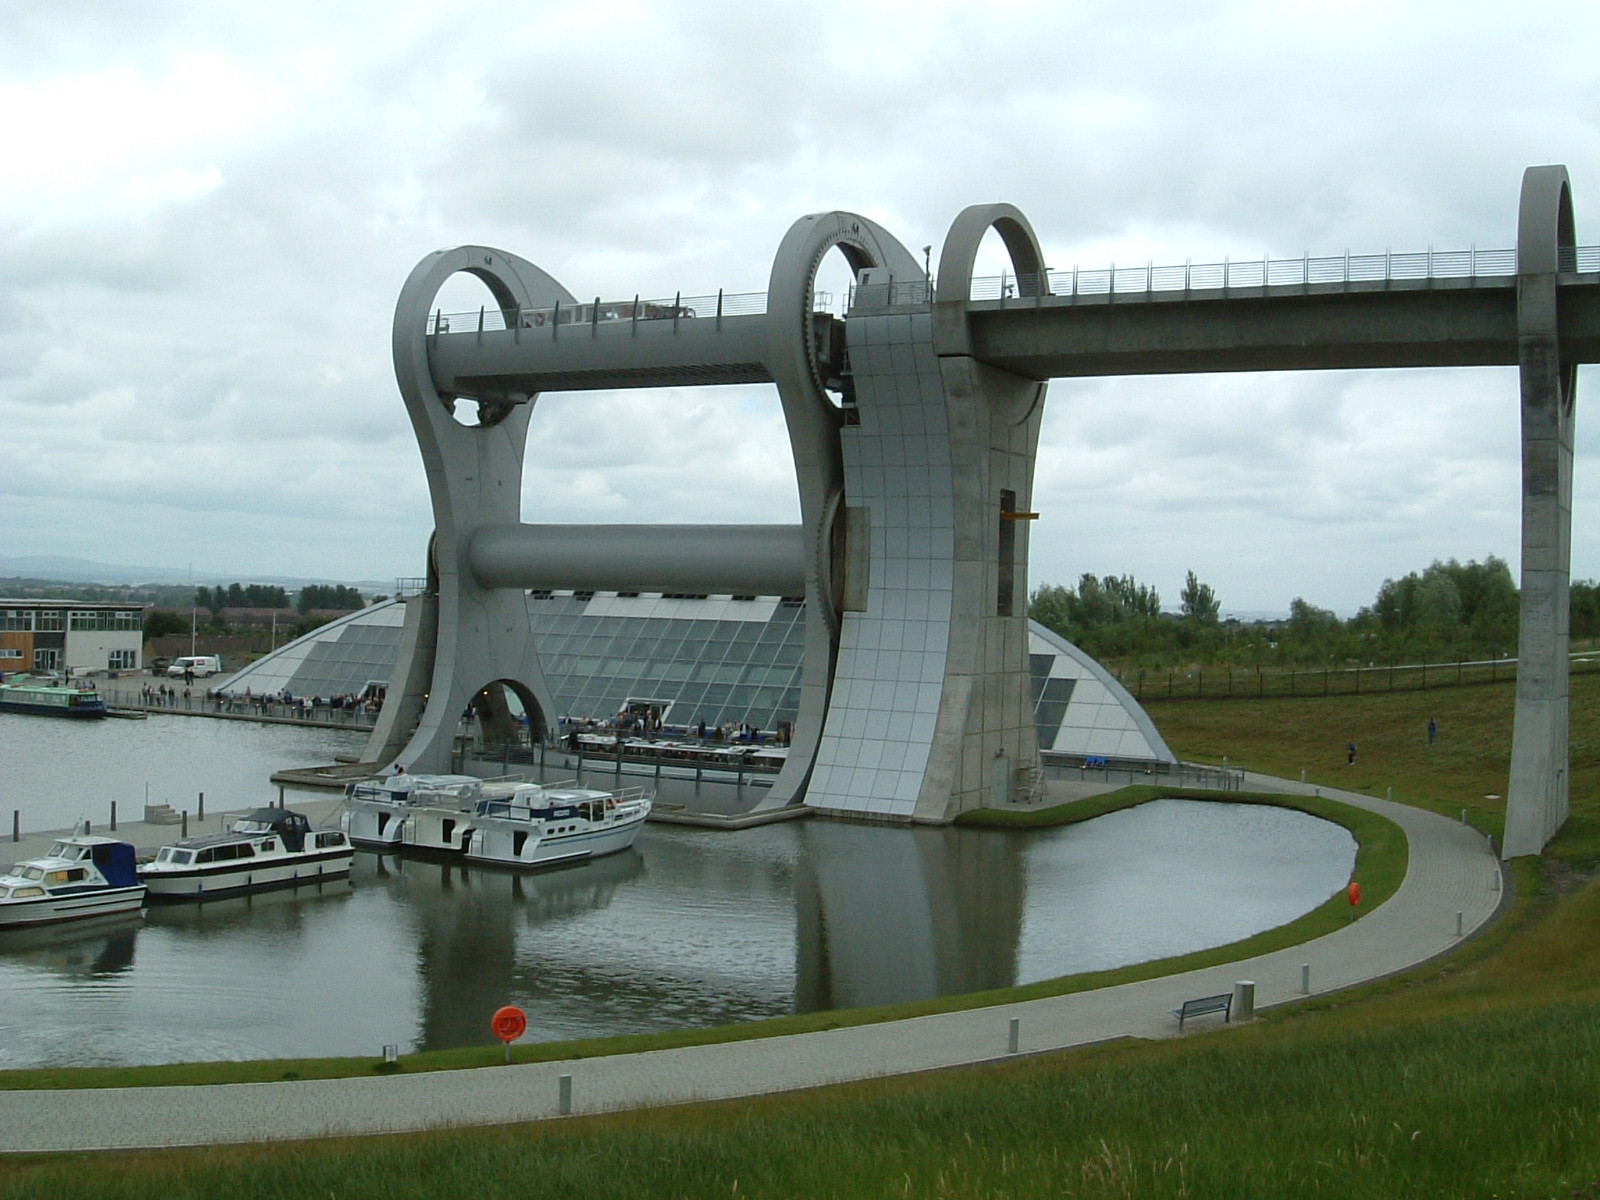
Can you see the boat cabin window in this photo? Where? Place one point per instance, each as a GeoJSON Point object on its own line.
{"type": "Point", "coordinates": [226, 852]}
{"type": "Point", "coordinates": [22, 893]}
{"type": "Point", "coordinates": [27, 872]}
{"type": "Point", "coordinates": [71, 875]}
{"type": "Point", "coordinates": [336, 839]}
{"type": "Point", "coordinates": [70, 853]}
{"type": "Point", "coordinates": [171, 854]}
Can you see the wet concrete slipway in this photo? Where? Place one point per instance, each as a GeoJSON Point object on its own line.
{"type": "Point", "coordinates": [694, 928]}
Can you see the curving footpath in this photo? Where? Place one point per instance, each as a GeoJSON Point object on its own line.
{"type": "Point", "coordinates": [1453, 886]}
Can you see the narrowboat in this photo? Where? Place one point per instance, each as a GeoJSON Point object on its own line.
{"type": "Point", "coordinates": [51, 699]}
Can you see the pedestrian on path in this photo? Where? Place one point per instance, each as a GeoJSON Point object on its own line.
{"type": "Point", "coordinates": [1350, 755]}
{"type": "Point", "coordinates": [1433, 731]}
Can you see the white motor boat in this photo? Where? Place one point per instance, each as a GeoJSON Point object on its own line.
{"type": "Point", "coordinates": [269, 848]}
{"type": "Point", "coordinates": [375, 810]}
{"type": "Point", "coordinates": [81, 876]}
{"type": "Point", "coordinates": [536, 826]}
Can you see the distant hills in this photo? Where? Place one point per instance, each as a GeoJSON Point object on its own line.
{"type": "Point", "coordinates": [56, 568]}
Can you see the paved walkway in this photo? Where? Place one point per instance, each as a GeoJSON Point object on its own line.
{"type": "Point", "coordinates": [1454, 882]}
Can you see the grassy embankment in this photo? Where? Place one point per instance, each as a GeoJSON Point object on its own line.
{"type": "Point", "coordinates": [1470, 1077]}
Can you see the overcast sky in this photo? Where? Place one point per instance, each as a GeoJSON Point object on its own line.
{"type": "Point", "coordinates": [207, 212]}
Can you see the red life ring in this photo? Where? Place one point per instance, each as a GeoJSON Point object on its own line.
{"type": "Point", "coordinates": [509, 1023]}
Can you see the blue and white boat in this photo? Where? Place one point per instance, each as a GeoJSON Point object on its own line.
{"type": "Point", "coordinates": [81, 876]}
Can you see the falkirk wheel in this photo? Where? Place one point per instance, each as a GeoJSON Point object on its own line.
{"type": "Point", "coordinates": [914, 486]}
{"type": "Point", "coordinates": [913, 424]}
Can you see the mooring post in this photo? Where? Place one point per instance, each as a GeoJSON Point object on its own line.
{"type": "Point", "coordinates": [1013, 1038]}
{"type": "Point", "coordinates": [564, 1096]}
{"type": "Point", "coordinates": [113, 816]}
{"type": "Point", "coordinates": [202, 806]}
{"type": "Point", "coordinates": [16, 824]}
{"type": "Point", "coordinates": [1305, 978]}
{"type": "Point", "coordinates": [185, 832]}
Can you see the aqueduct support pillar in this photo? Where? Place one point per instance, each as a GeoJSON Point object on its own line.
{"type": "Point", "coordinates": [1537, 798]}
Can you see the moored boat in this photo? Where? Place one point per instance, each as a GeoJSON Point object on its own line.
{"type": "Point", "coordinates": [268, 848]}
{"type": "Point", "coordinates": [81, 876]}
{"type": "Point", "coordinates": [375, 810]}
{"type": "Point", "coordinates": [46, 698]}
{"type": "Point", "coordinates": [536, 826]}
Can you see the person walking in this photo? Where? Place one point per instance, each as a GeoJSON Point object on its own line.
{"type": "Point", "coordinates": [1350, 755]}
{"type": "Point", "coordinates": [1433, 731]}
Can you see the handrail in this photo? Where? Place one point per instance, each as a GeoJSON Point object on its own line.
{"type": "Point", "coordinates": [1307, 271]}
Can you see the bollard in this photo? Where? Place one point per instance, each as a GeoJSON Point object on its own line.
{"type": "Point", "coordinates": [16, 824]}
{"type": "Point", "coordinates": [391, 1052]}
{"type": "Point", "coordinates": [1460, 917]}
{"type": "Point", "coordinates": [202, 815]}
{"type": "Point", "coordinates": [1302, 774]}
{"type": "Point", "coordinates": [86, 827]}
{"type": "Point", "coordinates": [1388, 793]}
{"type": "Point", "coordinates": [185, 832]}
{"type": "Point", "coordinates": [1013, 1039]}
{"type": "Point", "coordinates": [1305, 978]}
{"type": "Point", "coordinates": [280, 796]}
{"type": "Point", "coordinates": [564, 1103]}
{"type": "Point", "coordinates": [1244, 1000]}
{"type": "Point", "coordinates": [113, 816]}
{"type": "Point", "coordinates": [1463, 816]}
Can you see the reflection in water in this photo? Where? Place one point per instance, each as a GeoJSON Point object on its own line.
{"type": "Point", "coordinates": [890, 915]}
{"type": "Point", "coordinates": [89, 949]}
{"type": "Point", "coordinates": [278, 914]}
{"type": "Point", "coordinates": [465, 921]}
{"type": "Point", "coordinates": [689, 928]}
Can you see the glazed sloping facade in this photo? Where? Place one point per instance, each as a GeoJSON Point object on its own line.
{"type": "Point", "coordinates": [719, 659]}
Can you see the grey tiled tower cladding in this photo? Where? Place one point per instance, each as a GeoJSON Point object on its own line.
{"type": "Point", "coordinates": [913, 426]}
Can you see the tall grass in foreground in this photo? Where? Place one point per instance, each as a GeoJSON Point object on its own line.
{"type": "Point", "coordinates": [1496, 1103]}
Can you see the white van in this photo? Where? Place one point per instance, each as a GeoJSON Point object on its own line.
{"type": "Point", "coordinates": [200, 665]}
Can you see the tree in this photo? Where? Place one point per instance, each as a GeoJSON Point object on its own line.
{"type": "Point", "coordinates": [325, 596]}
{"type": "Point", "coordinates": [159, 622]}
{"type": "Point", "coordinates": [1200, 603]}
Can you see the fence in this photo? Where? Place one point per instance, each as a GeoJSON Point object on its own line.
{"type": "Point", "coordinates": [1454, 267]}
{"type": "Point", "coordinates": [259, 708]}
{"type": "Point", "coordinates": [1243, 683]}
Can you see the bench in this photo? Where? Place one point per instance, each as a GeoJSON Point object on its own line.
{"type": "Point", "coordinates": [1205, 1004]}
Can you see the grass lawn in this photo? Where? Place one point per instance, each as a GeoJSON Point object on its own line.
{"type": "Point", "coordinates": [1473, 1076]}
{"type": "Point", "coordinates": [1466, 768]}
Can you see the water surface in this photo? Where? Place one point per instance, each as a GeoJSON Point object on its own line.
{"type": "Point", "coordinates": [689, 928]}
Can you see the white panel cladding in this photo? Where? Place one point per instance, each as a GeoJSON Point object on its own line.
{"type": "Point", "coordinates": [892, 657]}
